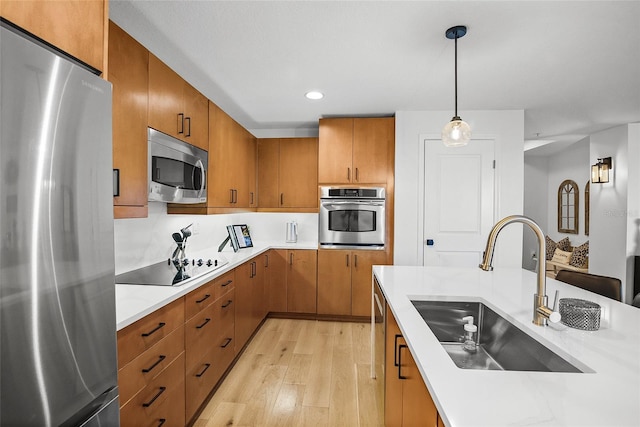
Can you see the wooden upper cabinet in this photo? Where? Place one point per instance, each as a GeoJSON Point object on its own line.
{"type": "Point", "coordinates": [299, 173]}
{"type": "Point", "coordinates": [373, 145]}
{"type": "Point", "coordinates": [175, 107]}
{"type": "Point", "coordinates": [288, 174]}
{"type": "Point", "coordinates": [356, 150]}
{"type": "Point", "coordinates": [78, 27]}
{"type": "Point", "coordinates": [232, 164]}
{"type": "Point", "coordinates": [335, 148]}
{"type": "Point", "coordinates": [268, 173]}
{"type": "Point", "coordinates": [128, 73]}
{"type": "Point", "coordinates": [196, 111]}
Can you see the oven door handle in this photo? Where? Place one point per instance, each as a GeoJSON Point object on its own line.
{"type": "Point", "coordinates": [352, 202]}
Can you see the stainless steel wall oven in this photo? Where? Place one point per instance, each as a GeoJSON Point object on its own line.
{"type": "Point", "coordinates": [352, 217]}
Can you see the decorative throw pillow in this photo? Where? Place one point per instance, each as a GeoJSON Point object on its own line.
{"type": "Point", "coordinates": [565, 244]}
{"type": "Point", "coordinates": [561, 257]}
{"type": "Point", "coordinates": [580, 255]}
{"type": "Point", "coordinates": [551, 247]}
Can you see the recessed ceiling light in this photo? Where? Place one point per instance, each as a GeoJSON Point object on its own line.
{"type": "Point", "coordinates": [314, 95]}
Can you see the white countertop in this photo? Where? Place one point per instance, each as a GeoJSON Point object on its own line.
{"type": "Point", "coordinates": [133, 302]}
{"type": "Point", "coordinates": [609, 395]}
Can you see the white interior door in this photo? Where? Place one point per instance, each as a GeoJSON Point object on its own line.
{"type": "Point", "coordinates": [458, 202]}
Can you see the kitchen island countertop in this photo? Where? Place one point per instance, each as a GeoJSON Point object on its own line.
{"type": "Point", "coordinates": [133, 302]}
{"type": "Point", "coordinates": [608, 394]}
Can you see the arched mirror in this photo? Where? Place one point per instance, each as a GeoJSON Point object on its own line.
{"type": "Point", "coordinates": [568, 197]}
{"type": "Point", "coordinates": [586, 208]}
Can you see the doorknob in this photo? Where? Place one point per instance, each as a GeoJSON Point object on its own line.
{"type": "Point", "coordinates": [429, 242]}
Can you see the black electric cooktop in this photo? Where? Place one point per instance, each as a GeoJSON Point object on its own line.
{"type": "Point", "coordinates": [166, 273]}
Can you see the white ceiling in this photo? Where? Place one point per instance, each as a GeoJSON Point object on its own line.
{"type": "Point", "coordinates": [572, 66]}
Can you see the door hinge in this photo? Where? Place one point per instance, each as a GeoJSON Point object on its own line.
{"type": "Point", "coordinates": [494, 164]}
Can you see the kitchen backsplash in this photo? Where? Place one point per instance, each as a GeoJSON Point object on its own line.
{"type": "Point", "coordinates": [144, 241]}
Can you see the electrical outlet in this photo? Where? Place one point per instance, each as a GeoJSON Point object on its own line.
{"type": "Point", "coordinates": [195, 228]}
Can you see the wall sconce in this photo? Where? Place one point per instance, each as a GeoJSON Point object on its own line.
{"type": "Point", "coordinates": [600, 171]}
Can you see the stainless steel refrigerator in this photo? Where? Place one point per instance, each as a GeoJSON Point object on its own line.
{"type": "Point", "coordinates": [57, 314]}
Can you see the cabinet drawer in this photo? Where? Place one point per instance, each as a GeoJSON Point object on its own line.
{"type": "Point", "coordinates": [199, 299]}
{"type": "Point", "coordinates": [162, 399]}
{"type": "Point", "coordinates": [199, 333]}
{"type": "Point", "coordinates": [205, 374]}
{"type": "Point", "coordinates": [224, 283]}
{"type": "Point", "coordinates": [143, 334]}
{"type": "Point", "coordinates": [137, 374]}
{"type": "Point", "coordinates": [224, 313]}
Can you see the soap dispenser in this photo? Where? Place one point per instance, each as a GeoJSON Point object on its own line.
{"type": "Point", "coordinates": [469, 335]}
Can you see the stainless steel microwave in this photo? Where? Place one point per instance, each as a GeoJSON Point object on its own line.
{"type": "Point", "coordinates": [177, 170]}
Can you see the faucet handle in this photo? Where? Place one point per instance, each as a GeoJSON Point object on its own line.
{"type": "Point", "coordinates": [555, 300]}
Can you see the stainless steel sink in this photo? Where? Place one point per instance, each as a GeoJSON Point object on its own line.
{"type": "Point", "coordinates": [500, 344]}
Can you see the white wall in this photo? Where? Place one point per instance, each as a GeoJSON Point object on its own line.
{"type": "Point", "coordinates": [614, 206]}
{"type": "Point", "coordinates": [143, 241]}
{"type": "Point", "coordinates": [506, 128]}
{"type": "Point", "coordinates": [571, 163]}
{"type": "Point", "coordinates": [536, 205]}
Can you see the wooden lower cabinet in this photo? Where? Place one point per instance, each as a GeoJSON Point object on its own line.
{"type": "Point", "coordinates": [301, 280]}
{"type": "Point", "coordinates": [407, 399]}
{"type": "Point", "coordinates": [344, 281]}
{"type": "Point", "coordinates": [250, 300]}
{"type": "Point", "coordinates": [291, 281]}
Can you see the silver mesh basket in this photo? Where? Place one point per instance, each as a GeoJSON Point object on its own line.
{"type": "Point", "coordinates": [580, 314]}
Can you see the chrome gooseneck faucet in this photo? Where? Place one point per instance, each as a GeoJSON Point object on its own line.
{"type": "Point", "coordinates": [541, 313]}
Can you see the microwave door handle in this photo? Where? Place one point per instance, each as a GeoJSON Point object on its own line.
{"type": "Point", "coordinates": [202, 176]}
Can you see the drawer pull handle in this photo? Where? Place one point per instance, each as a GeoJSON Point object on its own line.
{"type": "Point", "coordinates": [227, 342]}
{"type": "Point", "coordinates": [227, 283]}
{"type": "Point", "coordinates": [150, 368]}
{"type": "Point", "coordinates": [149, 403]}
{"type": "Point", "coordinates": [206, 366]}
{"type": "Point", "coordinates": [228, 303]}
{"type": "Point", "coordinates": [162, 421]}
{"type": "Point", "coordinates": [395, 349]}
{"type": "Point", "coordinates": [400, 376]}
{"type": "Point", "coordinates": [148, 334]}
{"type": "Point", "coordinates": [207, 320]}
{"type": "Point", "coordinates": [206, 297]}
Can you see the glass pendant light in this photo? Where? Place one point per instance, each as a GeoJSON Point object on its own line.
{"type": "Point", "coordinates": [457, 132]}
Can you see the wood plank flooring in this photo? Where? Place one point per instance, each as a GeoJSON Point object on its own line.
{"type": "Point", "coordinates": [299, 373]}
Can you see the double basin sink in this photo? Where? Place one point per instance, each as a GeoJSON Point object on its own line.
{"type": "Point", "coordinates": [500, 344]}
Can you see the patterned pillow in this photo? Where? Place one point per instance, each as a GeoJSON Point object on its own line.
{"type": "Point", "coordinates": [580, 255]}
{"type": "Point", "coordinates": [565, 244]}
{"type": "Point", "coordinates": [551, 247]}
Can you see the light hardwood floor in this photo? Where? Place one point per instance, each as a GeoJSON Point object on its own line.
{"type": "Point", "coordinates": [299, 373]}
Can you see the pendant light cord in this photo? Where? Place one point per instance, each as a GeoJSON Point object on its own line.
{"type": "Point", "coordinates": [456, 72]}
